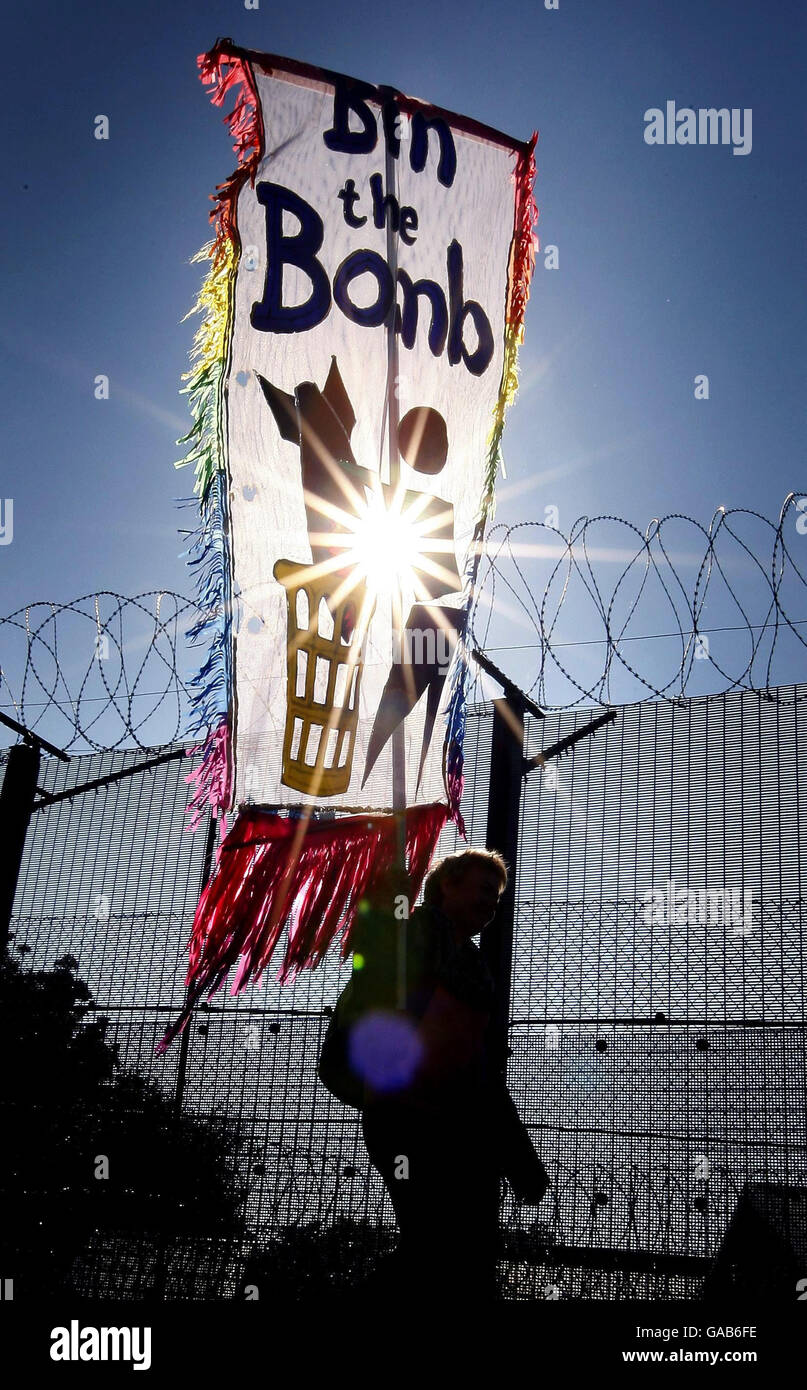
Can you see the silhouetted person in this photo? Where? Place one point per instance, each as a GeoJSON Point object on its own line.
{"type": "Point", "coordinates": [438, 1122]}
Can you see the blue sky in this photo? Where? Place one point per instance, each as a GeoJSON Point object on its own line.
{"type": "Point", "coordinates": [673, 261]}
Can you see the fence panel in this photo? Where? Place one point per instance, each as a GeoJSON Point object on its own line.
{"type": "Point", "coordinates": [660, 1064]}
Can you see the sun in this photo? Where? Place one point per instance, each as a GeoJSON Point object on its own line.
{"type": "Point", "coordinates": [390, 540]}
{"type": "Point", "coordinates": [386, 544]}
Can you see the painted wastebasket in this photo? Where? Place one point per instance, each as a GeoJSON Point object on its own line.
{"type": "Point", "coordinates": [326, 643]}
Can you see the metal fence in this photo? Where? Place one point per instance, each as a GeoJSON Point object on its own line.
{"type": "Point", "coordinates": [657, 1044]}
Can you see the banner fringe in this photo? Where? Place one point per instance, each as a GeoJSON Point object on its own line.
{"type": "Point", "coordinates": [205, 440]}
{"type": "Point", "coordinates": [522, 264]}
{"type": "Point", "coordinates": [276, 872]}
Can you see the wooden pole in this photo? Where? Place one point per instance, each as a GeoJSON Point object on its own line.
{"type": "Point", "coordinates": [398, 735]}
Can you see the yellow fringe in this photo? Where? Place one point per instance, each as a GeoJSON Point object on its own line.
{"type": "Point", "coordinates": [210, 339]}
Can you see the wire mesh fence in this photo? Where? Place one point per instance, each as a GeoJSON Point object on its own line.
{"type": "Point", "coordinates": [657, 1016]}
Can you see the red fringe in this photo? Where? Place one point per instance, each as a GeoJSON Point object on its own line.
{"type": "Point", "coordinates": [276, 871]}
{"type": "Point", "coordinates": [224, 71]}
{"type": "Point", "coordinates": [526, 215]}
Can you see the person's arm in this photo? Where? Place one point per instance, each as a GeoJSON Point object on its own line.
{"type": "Point", "coordinates": [521, 1165]}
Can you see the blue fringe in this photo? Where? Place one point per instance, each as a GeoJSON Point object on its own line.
{"type": "Point", "coordinates": [455, 716]}
{"type": "Point", "coordinates": [208, 558]}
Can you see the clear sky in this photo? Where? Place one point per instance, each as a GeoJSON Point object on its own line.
{"type": "Point", "coordinates": [674, 261]}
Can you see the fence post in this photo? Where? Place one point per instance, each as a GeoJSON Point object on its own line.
{"type": "Point", "coordinates": [504, 808]}
{"type": "Point", "coordinates": [163, 1259]}
{"type": "Point", "coordinates": [16, 804]}
{"type": "Point", "coordinates": [184, 1037]}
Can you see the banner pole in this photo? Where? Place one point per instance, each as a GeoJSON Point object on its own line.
{"type": "Point", "coordinates": [398, 738]}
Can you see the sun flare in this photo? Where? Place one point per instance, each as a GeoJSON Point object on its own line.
{"type": "Point", "coordinates": [385, 546]}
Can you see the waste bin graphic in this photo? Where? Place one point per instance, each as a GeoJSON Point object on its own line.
{"type": "Point", "coordinates": [325, 648]}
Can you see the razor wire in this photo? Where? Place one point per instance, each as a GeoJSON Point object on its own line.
{"type": "Point", "coordinates": [731, 575]}
{"type": "Point", "coordinates": [80, 671]}
{"type": "Point", "coordinates": [94, 663]}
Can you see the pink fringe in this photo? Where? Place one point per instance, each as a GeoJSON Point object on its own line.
{"type": "Point", "coordinates": [212, 778]}
{"type": "Point", "coordinates": [455, 783]}
{"type": "Point", "coordinates": [308, 875]}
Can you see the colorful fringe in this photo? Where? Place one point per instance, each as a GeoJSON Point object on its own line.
{"type": "Point", "coordinates": [522, 263]}
{"type": "Point", "coordinates": [227, 71]}
{"type": "Point", "coordinates": [276, 871]}
{"type": "Point", "coordinates": [206, 440]}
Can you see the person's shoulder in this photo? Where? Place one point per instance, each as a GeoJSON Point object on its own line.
{"type": "Point", "coordinates": [427, 915]}
{"type": "Point", "coordinates": [429, 923]}
{"type": "Point", "coordinates": [427, 934]}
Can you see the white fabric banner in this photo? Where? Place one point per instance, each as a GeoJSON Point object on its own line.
{"type": "Point", "coordinates": [319, 532]}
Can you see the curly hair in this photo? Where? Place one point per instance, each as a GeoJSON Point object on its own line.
{"type": "Point", "coordinates": [454, 866]}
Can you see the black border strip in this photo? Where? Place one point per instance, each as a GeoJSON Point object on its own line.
{"type": "Point", "coordinates": [270, 63]}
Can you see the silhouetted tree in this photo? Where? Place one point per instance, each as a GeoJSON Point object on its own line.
{"type": "Point", "coordinates": [64, 1103]}
{"type": "Point", "coordinates": [311, 1260]}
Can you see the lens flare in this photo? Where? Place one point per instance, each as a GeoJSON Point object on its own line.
{"type": "Point", "coordinates": [385, 547]}
{"type": "Point", "coordinates": [385, 1049]}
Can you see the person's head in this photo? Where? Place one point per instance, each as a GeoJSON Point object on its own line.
{"type": "Point", "coordinates": [467, 886]}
